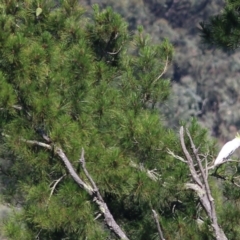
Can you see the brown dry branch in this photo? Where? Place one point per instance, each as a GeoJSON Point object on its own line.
{"type": "Point", "coordinates": [200, 185]}
{"type": "Point", "coordinates": [91, 190]}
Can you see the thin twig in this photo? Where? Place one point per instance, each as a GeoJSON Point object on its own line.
{"type": "Point", "coordinates": [54, 186]}
{"type": "Point", "coordinates": [160, 233]}
{"type": "Point", "coordinates": [195, 151]}
{"type": "Point", "coordinates": [114, 53]}
{"type": "Point", "coordinates": [152, 174]}
{"type": "Point", "coordinates": [37, 236]}
{"type": "Point", "coordinates": [82, 161]}
{"type": "Point", "coordinates": [17, 107]}
{"type": "Point", "coordinates": [73, 173]}
{"type": "Point", "coordinates": [37, 143]}
{"type": "Point", "coordinates": [98, 216]}
{"type": "Point", "coordinates": [189, 159]}
{"type": "Point", "coordinates": [175, 156]}
{"type": "Point", "coordinates": [164, 70]}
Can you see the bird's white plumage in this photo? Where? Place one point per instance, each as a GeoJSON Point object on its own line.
{"type": "Point", "coordinates": [227, 150]}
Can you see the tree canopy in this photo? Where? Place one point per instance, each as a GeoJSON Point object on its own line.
{"type": "Point", "coordinates": [90, 155]}
{"type": "Point", "coordinates": [223, 29]}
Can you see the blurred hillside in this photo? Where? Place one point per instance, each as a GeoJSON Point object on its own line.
{"type": "Point", "coordinates": [205, 81]}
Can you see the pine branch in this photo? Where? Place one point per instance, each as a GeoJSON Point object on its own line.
{"type": "Point", "coordinates": [91, 190]}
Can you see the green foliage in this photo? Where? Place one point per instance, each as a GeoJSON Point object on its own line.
{"type": "Point", "coordinates": [88, 84]}
{"type": "Point", "coordinates": [223, 30]}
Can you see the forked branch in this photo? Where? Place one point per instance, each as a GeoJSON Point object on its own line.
{"type": "Point", "coordinates": [91, 188]}
{"type": "Point", "coordinates": [200, 184]}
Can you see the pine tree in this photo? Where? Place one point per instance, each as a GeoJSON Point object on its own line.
{"type": "Point", "coordinates": [223, 30]}
{"type": "Point", "coordinates": [78, 100]}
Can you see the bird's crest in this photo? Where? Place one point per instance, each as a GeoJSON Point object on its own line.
{"type": "Point", "coordinates": [237, 135]}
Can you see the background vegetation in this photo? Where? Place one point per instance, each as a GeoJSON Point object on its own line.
{"type": "Point", "coordinates": [204, 80]}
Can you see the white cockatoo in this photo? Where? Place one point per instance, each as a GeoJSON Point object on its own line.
{"type": "Point", "coordinates": [227, 150]}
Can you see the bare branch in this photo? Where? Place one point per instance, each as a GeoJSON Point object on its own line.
{"type": "Point", "coordinates": [189, 159]}
{"type": "Point", "coordinates": [98, 216]}
{"type": "Point", "coordinates": [213, 214]}
{"type": "Point", "coordinates": [200, 192]}
{"type": "Point", "coordinates": [82, 161]}
{"type": "Point", "coordinates": [150, 173]}
{"type": "Point", "coordinates": [153, 174]}
{"type": "Point", "coordinates": [72, 172]}
{"type": "Point", "coordinates": [237, 185]}
{"type": "Point", "coordinates": [41, 144]}
{"type": "Point", "coordinates": [54, 186]}
{"type": "Point", "coordinates": [205, 182]}
{"type": "Point", "coordinates": [37, 236]}
{"type": "Point", "coordinates": [91, 190]}
{"type": "Point", "coordinates": [67, 163]}
{"type": "Point", "coordinates": [160, 233]}
{"type": "Point", "coordinates": [17, 107]}
{"type": "Point", "coordinates": [201, 187]}
{"type": "Point", "coordinates": [110, 221]}
{"type": "Point", "coordinates": [164, 70]}
{"type": "Point", "coordinates": [175, 156]}
{"type": "Point", "coordinates": [114, 53]}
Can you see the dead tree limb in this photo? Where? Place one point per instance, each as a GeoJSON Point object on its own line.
{"type": "Point", "coordinates": [111, 223]}
{"type": "Point", "coordinates": [200, 185]}
{"type": "Point", "coordinates": [92, 189]}
{"type": "Point", "coordinates": [160, 233]}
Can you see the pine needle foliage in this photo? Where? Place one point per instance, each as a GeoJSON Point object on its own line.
{"type": "Point", "coordinates": [223, 30]}
{"type": "Point", "coordinates": [76, 82]}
